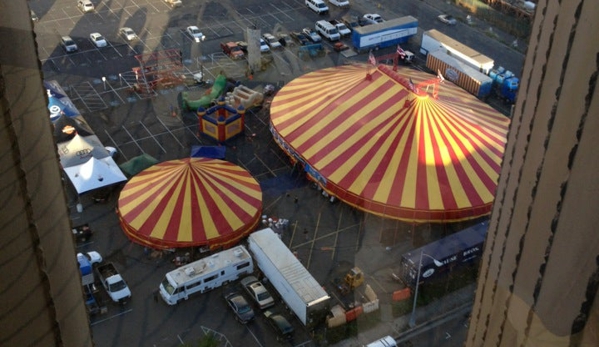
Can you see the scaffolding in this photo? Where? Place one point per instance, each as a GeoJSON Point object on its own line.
{"type": "Point", "coordinates": [160, 69]}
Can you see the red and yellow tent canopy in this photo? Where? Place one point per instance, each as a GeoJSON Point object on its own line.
{"type": "Point", "coordinates": [378, 140]}
{"type": "Point", "coordinates": [190, 202]}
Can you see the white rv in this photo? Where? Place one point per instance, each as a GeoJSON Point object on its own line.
{"type": "Point", "coordinates": [205, 274]}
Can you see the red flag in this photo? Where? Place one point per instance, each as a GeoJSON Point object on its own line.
{"type": "Point", "coordinates": [440, 76]}
{"type": "Point", "coordinates": [371, 59]}
{"type": "Point", "coordinates": [401, 52]}
{"type": "Point", "coordinates": [412, 86]}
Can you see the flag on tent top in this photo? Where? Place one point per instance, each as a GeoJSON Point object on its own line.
{"type": "Point", "coordinates": [412, 87]}
{"type": "Point", "coordinates": [401, 52]}
{"type": "Point", "coordinates": [371, 58]}
{"type": "Point", "coordinates": [440, 76]}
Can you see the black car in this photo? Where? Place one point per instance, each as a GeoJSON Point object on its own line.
{"type": "Point", "coordinates": [280, 324]}
{"type": "Point", "coordinates": [241, 308]}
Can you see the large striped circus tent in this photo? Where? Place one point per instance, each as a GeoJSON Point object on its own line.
{"type": "Point", "coordinates": [397, 144]}
{"type": "Point", "coordinates": [191, 202]}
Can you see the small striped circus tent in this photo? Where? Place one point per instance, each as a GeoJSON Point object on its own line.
{"type": "Point", "coordinates": [191, 202]}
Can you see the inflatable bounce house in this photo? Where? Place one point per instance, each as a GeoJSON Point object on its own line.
{"type": "Point", "coordinates": [221, 122]}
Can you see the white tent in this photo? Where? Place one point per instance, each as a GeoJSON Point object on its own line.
{"type": "Point", "coordinates": [95, 173]}
{"type": "Point", "coordinates": [80, 149]}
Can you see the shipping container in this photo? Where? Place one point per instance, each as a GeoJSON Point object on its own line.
{"type": "Point", "coordinates": [449, 253]}
{"type": "Point", "coordinates": [458, 72]}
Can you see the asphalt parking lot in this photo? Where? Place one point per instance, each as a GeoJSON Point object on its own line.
{"type": "Point", "coordinates": [324, 235]}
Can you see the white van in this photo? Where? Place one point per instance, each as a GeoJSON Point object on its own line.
{"type": "Point", "coordinates": [317, 6]}
{"type": "Point", "coordinates": [85, 5]}
{"type": "Point", "coordinates": [205, 274]}
{"type": "Point", "coordinates": [328, 30]}
{"type": "Point", "coordinates": [386, 341]}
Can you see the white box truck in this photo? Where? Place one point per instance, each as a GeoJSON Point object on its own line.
{"type": "Point", "coordinates": [434, 40]}
{"type": "Point", "coordinates": [298, 288]}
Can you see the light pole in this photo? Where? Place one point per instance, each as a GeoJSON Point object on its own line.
{"type": "Point", "coordinates": [412, 322]}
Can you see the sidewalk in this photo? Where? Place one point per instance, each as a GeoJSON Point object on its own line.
{"type": "Point", "coordinates": [454, 305]}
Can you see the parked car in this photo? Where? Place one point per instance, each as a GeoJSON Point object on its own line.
{"type": "Point", "coordinates": [85, 5]}
{"type": "Point", "coordinates": [232, 50]}
{"type": "Point", "coordinates": [285, 40]}
{"type": "Point", "coordinates": [264, 47]}
{"type": "Point", "coordinates": [68, 44]}
{"type": "Point", "coordinates": [257, 292]}
{"type": "Point", "coordinates": [352, 22]}
{"type": "Point", "coordinates": [128, 34]}
{"type": "Point", "coordinates": [300, 38]}
{"type": "Point", "coordinates": [312, 35]}
{"type": "Point", "coordinates": [373, 18]}
{"type": "Point", "coordinates": [280, 324]}
{"type": "Point", "coordinates": [93, 257]}
{"type": "Point", "coordinates": [271, 41]}
{"type": "Point", "coordinates": [447, 19]}
{"type": "Point", "coordinates": [195, 33]}
{"type": "Point", "coordinates": [243, 46]}
{"type": "Point", "coordinates": [242, 310]}
{"type": "Point", "coordinates": [98, 40]}
{"type": "Point", "coordinates": [174, 3]}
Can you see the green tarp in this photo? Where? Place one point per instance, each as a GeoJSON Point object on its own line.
{"type": "Point", "coordinates": [138, 164]}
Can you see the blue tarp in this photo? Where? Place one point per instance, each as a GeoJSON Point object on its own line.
{"type": "Point", "coordinates": [215, 152]}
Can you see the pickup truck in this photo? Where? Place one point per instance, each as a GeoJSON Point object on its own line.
{"type": "Point", "coordinates": [114, 284]}
{"type": "Point", "coordinates": [232, 49]}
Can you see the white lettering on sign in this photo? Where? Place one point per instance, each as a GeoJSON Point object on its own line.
{"type": "Point", "coordinates": [470, 251]}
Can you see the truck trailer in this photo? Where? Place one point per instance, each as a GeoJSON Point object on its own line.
{"type": "Point", "coordinates": [385, 34]}
{"type": "Point", "coordinates": [298, 289]}
{"type": "Point", "coordinates": [434, 40]}
{"type": "Point", "coordinates": [458, 72]}
{"type": "Point", "coordinates": [449, 253]}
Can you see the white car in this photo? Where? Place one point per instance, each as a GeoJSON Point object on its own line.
{"type": "Point", "coordinates": [85, 6]}
{"type": "Point", "coordinates": [195, 33]}
{"type": "Point", "coordinates": [447, 19]}
{"type": "Point", "coordinates": [257, 292]}
{"type": "Point", "coordinates": [98, 40]}
{"type": "Point", "coordinates": [271, 41]}
{"type": "Point", "coordinates": [263, 46]}
{"type": "Point", "coordinates": [128, 34]}
{"type": "Point", "coordinates": [373, 18]}
{"type": "Point", "coordinates": [93, 257]}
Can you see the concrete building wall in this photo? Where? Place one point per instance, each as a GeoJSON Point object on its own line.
{"type": "Point", "coordinates": [41, 301]}
{"type": "Point", "coordinates": [539, 277]}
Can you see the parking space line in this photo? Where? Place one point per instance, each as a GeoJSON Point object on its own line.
{"type": "Point", "coordinates": [132, 138]}
{"type": "Point", "coordinates": [170, 132]}
{"type": "Point", "coordinates": [282, 12]}
{"type": "Point", "coordinates": [116, 145]}
{"type": "Point", "coordinates": [313, 240]}
{"type": "Point", "coordinates": [193, 133]}
{"type": "Point", "coordinates": [254, 336]}
{"type": "Point", "coordinates": [336, 236]}
{"type": "Point", "coordinates": [152, 136]}
{"type": "Point", "coordinates": [111, 317]}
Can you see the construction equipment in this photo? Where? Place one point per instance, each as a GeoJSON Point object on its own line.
{"type": "Point", "coordinates": [353, 279]}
